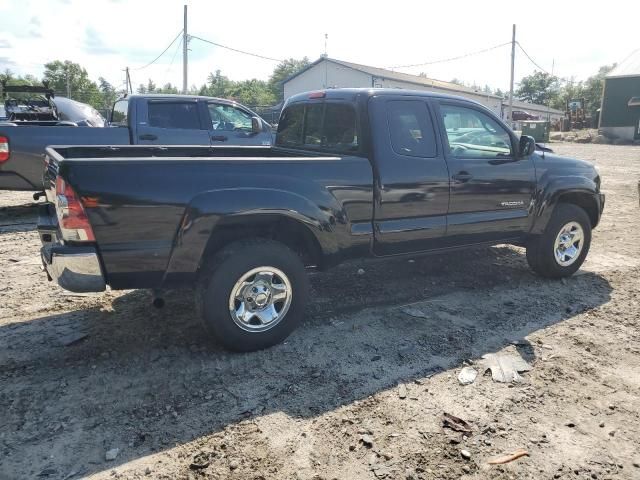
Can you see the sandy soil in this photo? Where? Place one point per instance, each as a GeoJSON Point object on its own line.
{"type": "Point", "coordinates": [358, 392]}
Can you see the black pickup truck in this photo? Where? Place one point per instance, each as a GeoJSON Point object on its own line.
{"type": "Point", "coordinates": [353, 173]}
{"type": "Point", "coordinates": [135, 120]}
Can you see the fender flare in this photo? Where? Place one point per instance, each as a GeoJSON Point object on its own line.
{"type": "Point", "coordinates": [209, 211]}
{"type": "Point", "coordinates": [548, 197]}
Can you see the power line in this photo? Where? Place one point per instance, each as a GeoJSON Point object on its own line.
{"type": "Point", "coordinates": [531, 59]}
{"type": "Point", "coordinates": [172, 59]}
{"type": "Point", "coordinates": [237, 50]}
{"type": "Point", "coordinates": [450, 59]}
{"type": "Point", "coordinates": [163, 52]}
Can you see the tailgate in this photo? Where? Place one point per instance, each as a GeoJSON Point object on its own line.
{"type": "Point", "coordinates": [49, 175]}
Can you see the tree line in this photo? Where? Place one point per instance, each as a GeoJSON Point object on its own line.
{"type": "Point", "coordinates": [546, 89]}
{"type": "Point", "coordinates": [67, 78]}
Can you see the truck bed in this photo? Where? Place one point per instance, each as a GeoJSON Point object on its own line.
{"type": "Point", "coordinates": [159, 204]}
{"type": "Point", "coordinates": [23, 170]}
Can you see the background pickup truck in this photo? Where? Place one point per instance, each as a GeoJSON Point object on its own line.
{"type": "Point", "coordinates": [135, 120]}
{"type": "Point", "coordinates": [354, 173]}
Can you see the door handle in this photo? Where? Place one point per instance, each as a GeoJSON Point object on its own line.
{"type": "Point", "coordinates": [462, 177]}
{"type": "Point", "coordinates": [219, 138]}
{"type": "Point", "coordinates": [148, 136]}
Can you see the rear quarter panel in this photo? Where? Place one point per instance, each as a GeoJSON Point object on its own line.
{"type": "Point", "coordinates": [150, 211]}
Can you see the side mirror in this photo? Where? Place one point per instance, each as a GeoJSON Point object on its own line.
{"type": "Point", "coordinates": [256, 125]}
{"type": "Point", "coordinates": [527, 146]}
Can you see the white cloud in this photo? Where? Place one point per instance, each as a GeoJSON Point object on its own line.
{"type": "Point", "coordinates": [107, 35]}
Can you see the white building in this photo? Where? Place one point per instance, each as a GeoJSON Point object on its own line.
{"type": "Point", "coordinates": [330, 73]}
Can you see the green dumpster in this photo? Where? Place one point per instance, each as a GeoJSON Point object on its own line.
{"type": "Point", "coordinates": [538, 129]}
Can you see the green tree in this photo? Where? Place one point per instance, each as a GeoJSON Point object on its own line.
{"type": "Point", "coordinates": [593, 88]}
{"type": "Point", "coordinates": [61, 74]}
{"type": "Point", "coordinates": [283, 71]}
{"type": "Point", "coordinates": [13, 79]}
{"type": "Point", "coordinates": [109, 94]}
{"type": "Point", "coordinates": [168, 88]}
{"type": "Point", "coordinates": [141, 89]}
{"type": "Point", "coordinates": [217, 85]}
{"type": "Point", "coordinates": [539, 87]}
{"type": "Point", "coordinates": [253, 92]}
{"type": "Point", "coordinates": [151, 87]}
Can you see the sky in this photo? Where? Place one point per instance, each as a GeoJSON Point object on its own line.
{"type": "Point", "coordinates": [105, 36]}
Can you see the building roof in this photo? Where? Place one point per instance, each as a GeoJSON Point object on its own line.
{"type": "Point", "coordinates": [629, 67]}
{"type": "Point", "coordinates": [520, 105]}
{"type": "Point", "coordinates": [398, 76]}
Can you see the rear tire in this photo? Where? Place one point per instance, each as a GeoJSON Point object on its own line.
{"type": "Point", "coordinates": [252, 294]}
{"type": "Point", "coordinates": [562, 248]}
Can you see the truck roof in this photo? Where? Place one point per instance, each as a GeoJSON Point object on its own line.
{"type": "Point", "coordinates": [352, 93]}
{"type": "Point", "coordinates": [177, 97]}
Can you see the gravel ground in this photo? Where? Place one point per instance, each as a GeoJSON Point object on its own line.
{"type": "Point", "coordinates": [104, 386]}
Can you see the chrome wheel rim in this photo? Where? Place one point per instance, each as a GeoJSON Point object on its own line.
{"type": "Point", "coordinates": [568, 244]}
{"type": "Point", "coordinates": [260, 299]}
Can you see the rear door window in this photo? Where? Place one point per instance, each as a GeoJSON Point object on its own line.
{"type": "Point", "coordinates": [181, 115]}
{"type": "Point", "coordinates": [411, 128]}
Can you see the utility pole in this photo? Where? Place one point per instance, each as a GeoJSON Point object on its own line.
{"type": "Point", "coordinates": [68, 84]}
{"type": "Point", "coordinates": [553, 65]}
{"type": "Point", "coordinates": [513, 62]}
{"type": "Point", "coordinates": [128, 81]}
{"type": "Point", "coordinates": [185, 50]}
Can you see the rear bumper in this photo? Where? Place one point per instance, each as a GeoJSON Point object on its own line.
{"type": "Point", "coordinates": [74, 268]}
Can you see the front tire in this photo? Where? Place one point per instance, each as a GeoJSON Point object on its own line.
{"type": "Point", "coordinates": [252, 294]}
{"type": "Point", "coordinates": [562, 248]}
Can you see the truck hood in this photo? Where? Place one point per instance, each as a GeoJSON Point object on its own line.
{"type": "Point", "coordinates": [550, 165]}
{"type": "Point", "coordinates": [556, 161]}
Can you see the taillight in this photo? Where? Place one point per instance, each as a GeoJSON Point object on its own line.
{"type": "Point", "coordinates": [72, 217]}
{"type": "Point", "coordinates": [4, 149]}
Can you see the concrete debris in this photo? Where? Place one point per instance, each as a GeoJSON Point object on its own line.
{"type": "Point", "coordinates": [366, 440]}
{"type": "Point", "coordinates": [73, 338]}
{"type": "Point", "coordinates": [402, 391]}
{"type": "Point", "coordinates": [505, 366]}
{"type": "Point", "coordinates": [467, 375]}
{"type": "Point", "coordinates": [112, 454]}
{"type": "Point", "coordinates": [414, 312]}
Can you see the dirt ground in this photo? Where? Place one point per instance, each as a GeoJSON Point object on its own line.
{"type": "Point", "coordinates": [358, 392]}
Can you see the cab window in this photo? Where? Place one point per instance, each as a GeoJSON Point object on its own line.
{"type": "Point", "coordinates": [228, 118]}
{"type": "Point", "coordinates": [179, 115]}
{"type": "Point", "coordinates": [473, 134]}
